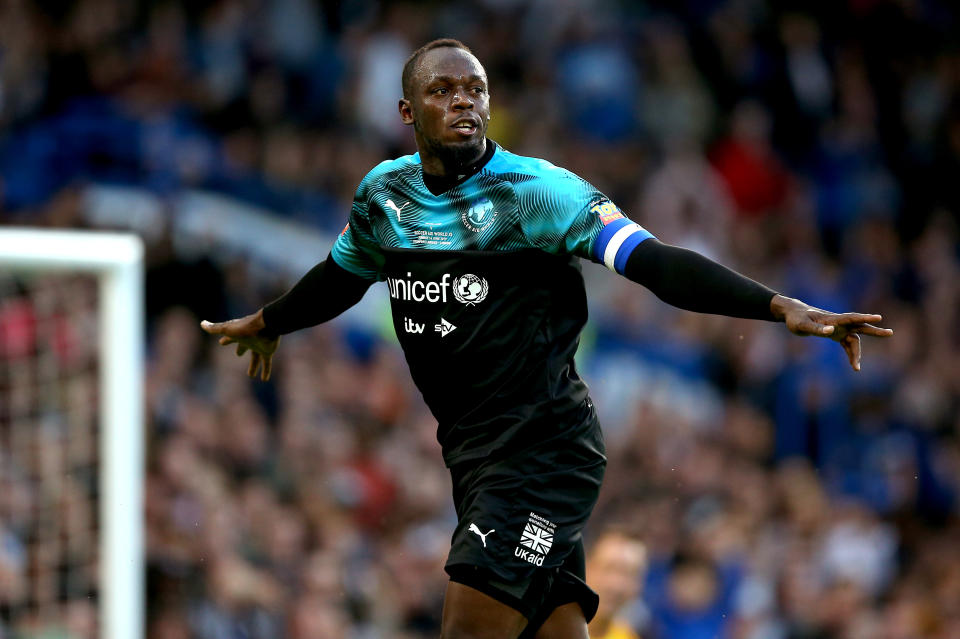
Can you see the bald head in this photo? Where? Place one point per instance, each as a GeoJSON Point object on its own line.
{"type": "Point", "coordinates": [413, 62]}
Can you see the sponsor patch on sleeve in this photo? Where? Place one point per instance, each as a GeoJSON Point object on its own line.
{"type": "Point", "coordinates": [606, 210]}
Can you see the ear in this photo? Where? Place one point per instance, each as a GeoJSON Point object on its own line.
{"type": "Point", "coordinates": [406, 111]}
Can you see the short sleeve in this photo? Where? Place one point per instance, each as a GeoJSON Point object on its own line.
{"type": "Point", "coordinates": [356, 250]}
{"type": "Point", "coordinates": [562, 213]}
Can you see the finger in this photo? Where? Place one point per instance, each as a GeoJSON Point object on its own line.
{"type": "Point", "coordinates": [853, 318]}
{"type": "Point", "coordinates": [267, 368]}
{"type": "Point", "coordinates": [809, 327]}
{"type": "Point", "coordinates": [226, 340]}
{"type": "Point", "coordinates": [869, 329]}
{"type": "Point", "coordinates": [211, 327]}
{"type": "Point", "coordinates": [241, 349]}
{"type": "Point", "coordinates": [851, 344]}
{"type": "Point", "coordinates": [254, 365]}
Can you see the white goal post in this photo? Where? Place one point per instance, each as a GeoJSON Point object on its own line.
{"type": "Point", "coordinates": [116, 259]}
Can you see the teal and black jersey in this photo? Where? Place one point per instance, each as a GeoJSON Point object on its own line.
{"type": "Point", "coordinates": [486, 292]}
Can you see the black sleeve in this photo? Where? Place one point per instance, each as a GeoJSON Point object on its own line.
{"type": "Point", "coordinates": [693, 282]}
{"type": "Point", "coordinates": [323, 293]}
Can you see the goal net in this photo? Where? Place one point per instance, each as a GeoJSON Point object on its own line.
{"type": "Point", "coordinates": [71, 435]}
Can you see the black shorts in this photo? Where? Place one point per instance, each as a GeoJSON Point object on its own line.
{"type": "Point", "coordinates": [520, 520]}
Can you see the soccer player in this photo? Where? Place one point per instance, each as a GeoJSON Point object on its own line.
{"type": "Point", "coordinates": [480, 250]}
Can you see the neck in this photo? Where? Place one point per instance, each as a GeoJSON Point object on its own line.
{"type": "Point", "coordinates": [441, 182]}
{"type": "Point", "coordinates": [444, 161]}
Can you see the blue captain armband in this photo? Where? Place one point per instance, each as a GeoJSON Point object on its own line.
{"type": "Point", "coordinates": [616, 241]}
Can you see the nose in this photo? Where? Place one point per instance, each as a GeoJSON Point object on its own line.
{"type": "Point", "coordinates": [462, 99]}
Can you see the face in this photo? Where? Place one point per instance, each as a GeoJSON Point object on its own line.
{"type": "Point", "coordinates": [448, 106]}
{"type": "Point", "coordinates": [615, 570]}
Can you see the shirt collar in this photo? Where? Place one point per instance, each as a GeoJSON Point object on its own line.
{"type": "Point", "coordinates": [439, 184]}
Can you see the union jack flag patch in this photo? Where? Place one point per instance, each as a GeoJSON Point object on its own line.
{"type": "Point", "coordinates": [537, 539]}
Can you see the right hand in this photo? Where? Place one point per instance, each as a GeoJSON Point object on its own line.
{"type": "Point", "coordinates": [843, 328]}
{"type": "Point", "coordinates": [244, 333]}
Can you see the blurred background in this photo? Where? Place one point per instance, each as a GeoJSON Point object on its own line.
{"type": "Point", "coordinates": [814, 146]}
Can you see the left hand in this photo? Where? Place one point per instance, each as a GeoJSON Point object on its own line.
{"type": "Point", "coordinates": [845, 328]}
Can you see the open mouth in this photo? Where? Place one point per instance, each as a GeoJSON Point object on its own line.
{"type": "Point", "coordinates": [465, 127]}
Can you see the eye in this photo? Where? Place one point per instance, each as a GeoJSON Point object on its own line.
{"type": "Point", "coordinates": [479, 90]}
{"type": "Point", "coordinates": [439, 91]}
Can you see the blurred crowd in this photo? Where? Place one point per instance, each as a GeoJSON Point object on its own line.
{"type": "Point", "coordinates": [48, 454]}
{"type": "Point", "coordinates": [813, 146]}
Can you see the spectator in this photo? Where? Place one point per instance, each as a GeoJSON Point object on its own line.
{"type": "Point", "coordinates": [615, 571]}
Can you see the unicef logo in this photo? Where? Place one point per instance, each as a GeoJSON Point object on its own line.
{"type": "Point", "coordinates": [479, 216]}
{"type": "Point", "coordinates": [470, 289]}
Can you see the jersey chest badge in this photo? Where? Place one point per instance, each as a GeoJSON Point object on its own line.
{"type": "Point", "coordinates": [479, 216]}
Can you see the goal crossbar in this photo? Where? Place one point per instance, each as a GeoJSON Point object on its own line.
{"type": "Point", "coordinates": [117, 261]}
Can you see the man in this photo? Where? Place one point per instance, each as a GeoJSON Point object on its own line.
{"type": "Point", "coordinates": [615, 570]}
{"type": "Point", "coordinates": [479, 248]}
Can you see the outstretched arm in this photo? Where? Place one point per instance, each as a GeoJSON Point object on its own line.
{"type": "Point", "coordinates": [693, 282]}
{"type": "Point", "coordinates": [323, 293]}
{"type": "Point", "coordinates": [688, 280]}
